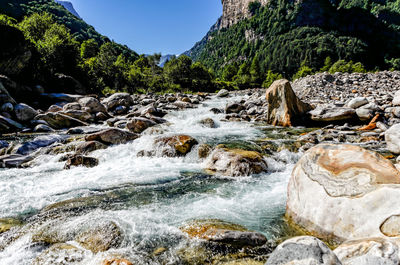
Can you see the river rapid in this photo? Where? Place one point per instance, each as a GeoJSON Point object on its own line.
{"type": "Point", "coordinates": [149, 198]}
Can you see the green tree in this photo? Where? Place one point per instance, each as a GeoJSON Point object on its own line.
{"type": "Point", "coordinates": [178, 71]}
{"type": "Point", "coordinates": [201, 77]}
{"type": "Point", "coordinates": [303, 71]}
{"type": "Point", "coordinates": [89, 49]}
{"type": "Point", "coordinates": [35, 26]}
{"type": "Point", "coordinates": [255, 72]}
{"type": "Point", "coordinates": [229, 72]}
{"type": "Point", "coordinates": [6, 20]}
{"type": "Point", "coordinates": [271, 77]}
{"type": "Point", "coordinates": [327, 64]}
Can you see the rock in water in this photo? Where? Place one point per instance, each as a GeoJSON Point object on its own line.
{"type": "Point", "coordinates": [80, 160]}
{"type": "Point", "coordinates": [303, 250]}
{"type": "Point", "coordinates": [284, 108]}
{"type": "Point", "coordinates": [112, 136]}
{"type": "Point", "coordinates": [223, 93]}
{"type": "Point", "coordinates": [138, 125]}
{"type": "Point", "coordinates": [24, 112]}
{"type": "Point", "coordinates": [235, 162]}
{"type": "Point", "coordinates": [177, 145]}
{"type": "Point", "coordinates": [101, 238]}
{"type": "Point", "coordinates": [392, 138]}
{"type": "Point", "coordinates": [373, 251]}
{"type": "Point", "coordinates": [344, 192]}
{"type": "Point", "coordinates": [92, 105]}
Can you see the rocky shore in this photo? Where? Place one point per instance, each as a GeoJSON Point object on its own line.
{"type": "Point", "coordinates": [341, 197]}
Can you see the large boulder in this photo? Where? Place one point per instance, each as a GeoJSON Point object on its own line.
{"type": "Point", "coordinates": [235, 162]}
{"type": "Point", "coordinates": [303, 250]}
{"type": "Point", "coordinates": [60, 121]}
{"type": "Point", "coordinates": [371, 251]}
{"type": "Point", "coordinates": [118, 99]}
{"type": "Point", "coordinates": [24, 112]}
{"type": "Point", "coordinates": [112, 136]}
{"type": "Point", "coordinates": [344, 192]}
{"type": "Point", "coordinates": [101, 238]}
{"type": "Point", "coordinates": [284, 108]}
{"type": "Point", "coordinates": [92, 105]}
{"type": "Point", "coordinates": [138, 125]}
{"type": "Point", "coordinates": [78, 114]}
{"type": "Point", "coordinates": [392, 138]}
{"type": "Point", "coordinates": [327, 113]}
{"type": "Point", "coordinates": [5, 97]}
{"type": "Point", "coordinates": [177, 145]}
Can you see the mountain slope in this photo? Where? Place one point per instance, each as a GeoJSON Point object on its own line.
{"type": "Point", "coordinates": [69, 6]}
{"type": "Point", "coordinates": [283, 34]}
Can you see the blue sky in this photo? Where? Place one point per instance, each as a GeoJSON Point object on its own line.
{"type": "Point", "coordinates": [166, 26]}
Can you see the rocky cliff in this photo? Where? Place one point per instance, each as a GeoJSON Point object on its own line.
{"type": "Point", "coordinates": [236, 10]}
{"type": "Point", "coordinates": [68, 5]}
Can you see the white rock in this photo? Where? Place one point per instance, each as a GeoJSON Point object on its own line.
{"type": "Point", "coordinates": [304, 250]}
{"type": "Point", "coordinates": [396, 99]}
{"type": "Point", "coordinates": [373, 251]}
{"type": "Point", "coordinates": [364, 114]}
{"type": "Point", "coordinates": [357, 102]}
{"type": "Point", "coordinates": [344, 192]}
{"type": "Point", "coordinates": [223, 93]}
{"type": "Point", "coordinates": [392, 138]}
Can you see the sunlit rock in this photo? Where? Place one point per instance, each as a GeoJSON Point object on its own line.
{"type": "Point", "coordinates": [101, 237]}
{"type": "Point", "coordinates": [80, 160]}
{"type": "Point", "coordinates": [344, 192]}
{"type": "Point", "coordinates": [177, 145]}
{"type": "Point", "coordinates": [112, 136]}
{"type": "Point", "coordinates": [138, 125]}
{"type": "Point", "coordinates": [59, 121]}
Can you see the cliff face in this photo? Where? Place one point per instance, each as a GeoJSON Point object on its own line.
{"type": "Point", "coordinates": [68, 5]}
{"type": "Point", "coordinates": [236, 10]}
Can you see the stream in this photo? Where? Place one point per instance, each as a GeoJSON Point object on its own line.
{"type": "Point", "coordinates": [149, 198]}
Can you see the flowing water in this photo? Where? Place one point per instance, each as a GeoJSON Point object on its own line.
{"type": "Point", "coordinates": [148, 197]}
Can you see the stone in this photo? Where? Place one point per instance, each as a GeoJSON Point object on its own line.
{"type": "Point", "coordinates": [7, 107]}
{"type": "Point", "coordinates": [392, 138]}
{"type": "Point", "coordinates": [90, 146]}
{"type": "Point", "coordinates": [80, 160]}
{"type": "Point", "coordinates": [344, 192]}
{"type": "Point", "coordinates": [357, 102]}
{"type": "Point", "coordinates": [39, 142]}
{"type": "Point", "coordinates": [101, 237]}
{"type": "Point", "coordinates": [78, 114]}
{"type": "Point", "coordinates": [14, 160]}
{"type": "Point", "coordinates": [364, 114]}
{"type": "Point", "coordinates": [72, 106]}
{"type": "Point", "coordinates": [112, 136]}
{"type": "Point", "coordinates": [233, 108]}
{"type": "Point", "coordinates": [284, 108]}
{"type": "Point", "coordinates": [138, 125]}
{"type": "Point", "coordinates": [60, 121]}
{"type": "Point", "coordinates": [372, 251]}
{"type": "Point", "coordinates": [303, 250]}
{"type": "Point", "coordinates": [9, 125]}
{"type": "Point", "coordinates": [116, 261]}
{"type": "Point", "coordinates": [118, 99]}
{"type": "Point", "coordinates": [221, 232]}
{"type": "Point", "coordinates": [332, 114]}
{"type": "Point", "coordinates": [204, 150]}
{"type": "Point", "coordinates": [396, 99]}
{"type": "Point", "coordinates": [43, 128]}
{"type": "Point", "coordinates": [24, 112]}
{"type": "Point", "coordinates": [235, 162]}
{"type": "Point", "coordinates": [92, 105]}
{"type": "Point", "coordinates": [8, 223]}
{"type": "Point", "coordinates": [208, 122]}
{"type": "Point", "coordinates": [177, 145]}
{"type": "Point", "coordinates": [223, 93]}
{"type": "Point", "coordinates": [54, 108]}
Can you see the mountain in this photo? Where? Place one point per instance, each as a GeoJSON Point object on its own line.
{"type": "Point", "coordinates": [69, 6]}
{"type": "Point", "coordinates": [285, 34]}
{"type": "Point", "coordinates": [165, 58]}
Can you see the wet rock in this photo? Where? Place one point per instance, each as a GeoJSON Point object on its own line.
{"type": "Point", "coordinates": [116, 261]}
{"type": "Point", "coordinates": [7, 223]}
{"type": "Point", "coordinates": [60, 254]}
{"type": "Point", "coordinates": [216, 111]}
{"type": "Point", "coordinates": [151, 110]}
{"type": "Point", "coordinates": [235, 162]}
{"type": "Point", "coordinates": [60, 121]}
{"type": "Point", "coordinates": [39, 142]}
{"type": "Point", "coordinates": [7, 107]}
{"type": "Point", "coordinates": [334, 191]}
{"type": "Point", "coordinates": [54, 108]}
{"type": "Point", "coordinates": [118, 99]}
{"type": "Point", "coordinates": [43, 128]}
{"type": "Point", "coordinates": [332, 114]}
{"type": "Point", "coordinates": [177, 145]}
{"type": "Point", "coordinates": [208, 122]}
{"type": "Point", "coordinates": [112, 136]}
{"type": "Point", "coordinates": [357, 102]}
{"type": "Point", "coordinates": [80, 160]}
{"type": "Point", "coordinates": [138, 125]}
{"type": "Point", "coordinates": [87, 147]}
{"type": "Point", "coordinates": [92, 105]}
{"type": "Point", "coordinates": [301, 251]}
{"type": "Point", "coordinates": [373, 251]}
{"type": "Point", "coordinates": [14, 160]}
{"type": "Point", "coordinates": [284, 108]}
{"type": "Point", "coordinates": [233, 108]}
{"type": "Point", "coordinates": [224, 233]}
{"type": "Point", "coordinates": [101, 237]}
{"type": "Point", "coordinates": [204, 150]}
{"type": "Point", "coordinates": [8, 125]}
{"type": "Point", "coordinates": [223, 93]}
{"type": "Point", "coordinates": [392, 138]}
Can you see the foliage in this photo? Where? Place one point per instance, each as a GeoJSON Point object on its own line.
{"type": "Point", "coordinates": [271, 77]}
{"type": "Point", "coordinates": [347, 67]}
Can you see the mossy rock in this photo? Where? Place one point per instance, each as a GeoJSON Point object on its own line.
{"type": "Point", "coordinates": [7, 223]}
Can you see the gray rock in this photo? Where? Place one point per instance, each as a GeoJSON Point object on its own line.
{"type": "Point", "coordinates": [93, 105]}
{"type": "Point", "coordinates": [43, 128]}
{"type": "Point", "coordinates": [24, 112]}
{"type": "Point", "coordinates": [208, 122]}
{"type": "Point", "coordinates": [364, 114]}
{"type": "Point", "coordinates": [392, 138]}
{"type": "Point", "coordinates": [59, 121]}
{"type": "Point", "coordinates": [72, 106]}
{"type": "Point", "coordinates": [138, 125]}
{"type": "Point", "coordinates": [8, 125]}
{"type": "Point", "coordinates": [14, 160]}
{"type": "Point", "coordinates": [39, 142]}
{"type": "Point", "coordinates": [396, 99]}
{"type": "Point", "coordinates": [223, 93]}
{"type": "Point", "coordinates": [118, 99]}
{"type": "Point", "coordinates": [80, 160]}
{"type": "Point", "coordinates": [331, 114]}
{"type": "Point", "coordinates": [357, 102]}
{"type": "Point", "coordinates": [303, 250]}
{"type": "Point", "coordinates": [112, 136]}
{"type": "Point", "coordinates": [233, 108]}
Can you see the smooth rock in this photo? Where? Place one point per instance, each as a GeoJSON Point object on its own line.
{"type": "Point", "coordinates": [357, 102]}
{"type": "Point", "coordinates": [138, 125]}
{"type": "Point", "coordinates": [60, 121]}
{"type": "Point", "coordinates": [43, 128]}
{"type": "Point", "coordinates": [87, 147]}
{"type": "Point", "coordinates": [235, 162]}
{"type": "Point", "coordinates": [364, 114]}
{"type": "Point", "coordinates": [112, 136]}
{"type": "Point", "coordinates": [332, 114]}
{"type": "Point", "coordinates": [78, 114]}
{"type": "Point", "coordinates": [93, 105]}
{"type": "Point", "coordinates": [7, 125]}
{"type": "Point", "coordinates": [24, 112]}
{"type": "Point", "coordinates": [80, 160]}
{"type": "Point", "coordinates": [14, 160]}
{"type": "Point", "coordinates": [177, 145]}
{"type": "Point", "coordinates": [373, 251]}
{"type": "Point", "coordinates": [396, 99]}
{"type": "Point", "coordinates": [392, 138]}
{"type": "Point", "coordinates": [344, 192]}
{"type": "Point", "coordinates": [118, 99]}
{"type": "Point", "coordinates": [303, 250]}
{"type": "Point", "coordinates": [39, 142]}
{"type": "Point", "coordinates": [208, 122]}
{"type": "Point", "coordinates": [60, 254]}
{"type": "Point", "coordinates": [7, 107]}
{"type": "Point", "coordinates": [233, 108]}
{"type": "Point", "coordinates": [223, 93]}
{"type": "Point", "coordinates": [72, 106]}
{"type": "Point", "coordinates": [284, 108]}
{"type": "Point", "coordinates": [204, 150]}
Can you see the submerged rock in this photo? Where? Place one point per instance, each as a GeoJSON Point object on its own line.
{"type": "Point", "coordinates": [101, 237]}
{"type": "Point", "coordinates": [60, 254]}
{"type": "Point", "coordinates": [372, 251]}
{"type": "Point", "coordinates": [344, 192]}
{"type": "Point", "coordinates": [7, 223]}
{"type": "Point", "coordinates": [80, 160]}
{"type": "Point", "coordinates": [112, 136]}
{"type": "Point", "coordinates": [284, 108]}
{"type": "Point", "coordinates": [177, 145]}
{"type": "Point", "coordinates": [235, 162]}
{"type": "Point", "coordinates": [303, 250]}
{"type": "Point", "coordinates": [208, 122]}
{"type": "Point", "coordinates": [204, 150]}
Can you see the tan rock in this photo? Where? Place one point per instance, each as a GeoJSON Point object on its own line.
{"type": "Point", "coordinates": [112, 136]}
{"type": "Point", "coordinates": [177, 145]}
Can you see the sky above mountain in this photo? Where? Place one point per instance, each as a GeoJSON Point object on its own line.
{"type": "Point", "coordinates": [169, 27]}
